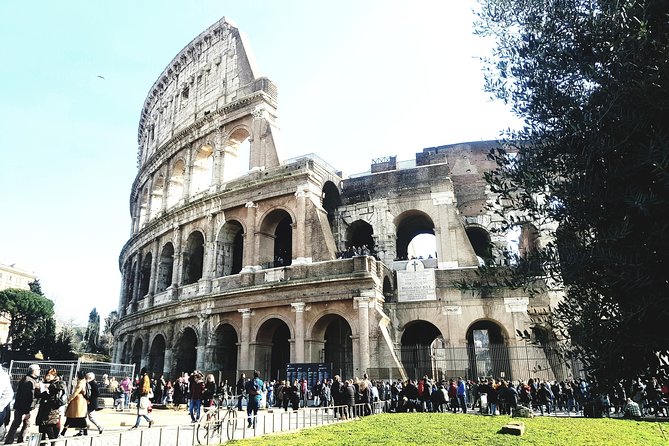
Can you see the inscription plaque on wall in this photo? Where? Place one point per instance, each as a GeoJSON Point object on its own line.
{"type": "Point", "coordinates": [416, 283]}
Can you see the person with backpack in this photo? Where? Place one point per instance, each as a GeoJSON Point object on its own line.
{"type": "Point", "coordinates": [253, 388]}
{"type": "Point", "coordinates": [24, 402]}
{"type": "Point", "coordinates": [51, 399]}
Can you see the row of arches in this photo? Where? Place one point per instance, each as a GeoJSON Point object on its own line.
{"type": "Point", "coordinates": [272, 349]}
{"type": "Point", "coordinates": [415, 237]}
{"type": "Point", "coordinates": [188, 175]}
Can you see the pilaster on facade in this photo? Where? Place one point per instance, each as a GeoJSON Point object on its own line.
{"type": "Point", "coordinates": [245, 362]}
{"type": "Point", "coordinates": [299, 308]}
{"type": "Point", "coordinates": [363, 327]}
{"type": "Point", "coordinates": [249, 235]}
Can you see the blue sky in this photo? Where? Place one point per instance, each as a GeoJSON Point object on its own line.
{"type": "Point", "coordinates": [357, 80]}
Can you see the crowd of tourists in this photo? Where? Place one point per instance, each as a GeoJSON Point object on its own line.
{"type": "Point", "coordinates": [61, 406]}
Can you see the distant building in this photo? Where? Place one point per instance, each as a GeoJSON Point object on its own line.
{"type": "Point", "coordinates": [12, 277]}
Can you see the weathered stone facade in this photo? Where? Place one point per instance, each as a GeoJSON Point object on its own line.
{"type": "Point", "coordinates": [233, 267]}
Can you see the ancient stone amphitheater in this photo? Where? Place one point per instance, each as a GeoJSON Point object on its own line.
{"type": "Point", "coordinates": [239, 260]}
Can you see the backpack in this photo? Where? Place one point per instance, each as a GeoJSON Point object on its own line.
{"type": "Point", "coordinates": [253, 388]}
{"type": "Point", "coordinates": [87, 391]}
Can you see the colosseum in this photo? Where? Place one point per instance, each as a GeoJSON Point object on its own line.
{"type": "Point", "coordinates": [240, 260]}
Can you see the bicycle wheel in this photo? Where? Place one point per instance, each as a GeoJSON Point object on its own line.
{"type": "Point", "coordinates": [209, 432]}
{"type": "Point", "coordinates": [230, 421]}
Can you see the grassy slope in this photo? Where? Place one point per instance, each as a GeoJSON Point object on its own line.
{"type": "Point", "coordinates": [425, 429]}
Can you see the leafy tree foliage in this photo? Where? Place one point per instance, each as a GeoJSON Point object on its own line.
{"type": "Point", "coordinates": [36, 287]}
{"type": "Point", "coordinates": [92, 331]}
{"type": "Point", "coordinates": [31, 327]}
{"type": "Point", "coordinates": [590, 79]}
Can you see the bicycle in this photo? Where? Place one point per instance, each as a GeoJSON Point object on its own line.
{"type": "Point", "coordinates": [210, 430]}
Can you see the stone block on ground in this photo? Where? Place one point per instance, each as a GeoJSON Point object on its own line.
{"type": "Point", "coordinates": [513, 429]}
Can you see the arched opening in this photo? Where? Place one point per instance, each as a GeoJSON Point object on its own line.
{"type": "Point", "coordinates": [359, 235]}
{"type": "Point", "coordinates": [273, 349]}
{"type": "Point", "coordinates": [157, 195]}
{"type": "Point", "coordinates": [480, 240]}
{"type": "Point", "coordinates": [175, 187]}
{"type": "Point", "coordinates": [126, 353]}
{"type": "Point", "coordinates": [129, 280]}
{"type": "Point", "coordinates": [487, 351]}
{"type": "Point", "coordinates": [236, 155]}
{"type": "Point", "coordinates": [422, 246]}
{"type": "Point", "coordinates": [229, 249]}
{"type": "Point", "coordinates": [409, 225]}
{"type": "Point", "coordinates": [225, 352]}
{"type": "Point", "coordinates": [145, 275]}
{"type": "Point", "coordinates": [338, 348]}
{"type": "Point", "coordinates": [165, 268]}
{"type": "Point", "coordinates": [193, 258]}
{"type": "Point", "coordinates": [137, 355]}
{"type": "Point", "coordinates": [331, 200]}
{"type": "Point", "coordinates": [144, 207]}
{"type": "Point", "coordinates": [186, 352]}
{"type": "Point", "coordinates": [157, 355]}
{"type": "Point", "coordinates": [419, 340]}
{"type": "Point", "coordinates": [202, 171]}
{"type": "Point", "coordinates": [388, 292]}
{"type": "Point", "coordinates": [276, 244]}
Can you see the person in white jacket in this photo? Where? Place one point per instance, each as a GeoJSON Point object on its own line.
{"type": "Point", "coordinates": [6, 396]}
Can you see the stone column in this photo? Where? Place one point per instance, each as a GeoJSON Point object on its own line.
{"type": "Point", "coordinates": [176, 265]}
{"type": "Point", "coordinates": [245, 362]}
{"type": "Point", "coordinates": [299, 308]}
{"type": "Point", "coordinates": [149, 193]}
{"type": "Point", "coordinates": [249, 236]}
{"type": "Point", "coordinates": [209, 253]}
{"type": "Point", "coordinates": [155, 261]}
{"type": "Point", "coordinates": [138, 273]}
{"type": "Point", "coordinates": [189, 160]}
{"type": "Point", "coordinates": [299, 253]}
{"type": "Point", "coordinates": [363, 323]}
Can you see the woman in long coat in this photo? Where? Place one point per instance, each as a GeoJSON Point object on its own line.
{"type": "Point", "coordinates": [77, 407]}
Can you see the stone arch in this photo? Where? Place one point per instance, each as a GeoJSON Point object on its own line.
{"type": "Point", "coordinates": [126, 352]}
{"type": "Point", "coordinates": [175, 186]}
{"type": "Point", "coordinates": [418, 343]}
{"type": "Point", "coordinates": [487, 350]}
{"type": "Point", "coordinates": [336, 333]}
{"type": "Point", "coordinates": [129, 280]}
{"type": "Point", "coordinates": [145, 275]}
{"type": "Point", "coordinates": [193, 258]}
{"type": "Point", "coordinates": [185, 350]}
{"type": "Point", "coordinates": [143, 214]}
{"type": "Point", "coordinates": [273, 347]}
{"type": "Point", "coordinates": [165, 268]}
{"type": "Point", "coordinates": [157, 354]}
{"type": "Point", "coordinates": [230, 248]}
{"type": "Point", "coordinates": [202, 169]}
{"type": "Point", "coordinates": [480, 240]}
{"type": "Point", "coordinates": [360, 233]}
{"type": "Point", "coordinates": [137, 354]}
{"type": "Point", "coordinates": [411, 224]}
{"type": "Point", "coordinates": [237, 153]}
{"type": "Point", "coordinates": [330, 199]}
{"type": "Point", "coordinates": [225, 354]}
{"type": "Point", "coordinates": [388, 289]}
{"type": "Point", "coordinates": [276, 242]}
{"type": "Point", "coordinates": [157, 194]}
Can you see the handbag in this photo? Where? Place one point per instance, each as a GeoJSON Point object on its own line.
{"type": "Point", "coordinates": [150, 394]}
{"type": "Point", "coordinates": [144, 402]}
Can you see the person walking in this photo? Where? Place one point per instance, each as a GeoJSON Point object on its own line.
{"type": "Point", "coordinates": [253, 389]}
{"type": "Point", "coordinates": [144, 401]}
{"type": "Point", "coordinates": [26, 394]}
{"type": "Point", "coordinates": [53, 396]}
{"type": "Point", "coordinates": [94, 394]}
{"type": "Point", "coordinates": [240, 391]}
{"type": "Point", "coordinates": [77, 407]}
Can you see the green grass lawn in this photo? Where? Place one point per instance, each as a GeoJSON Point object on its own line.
{"type": "Point", "coordinates": [425, 429]}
